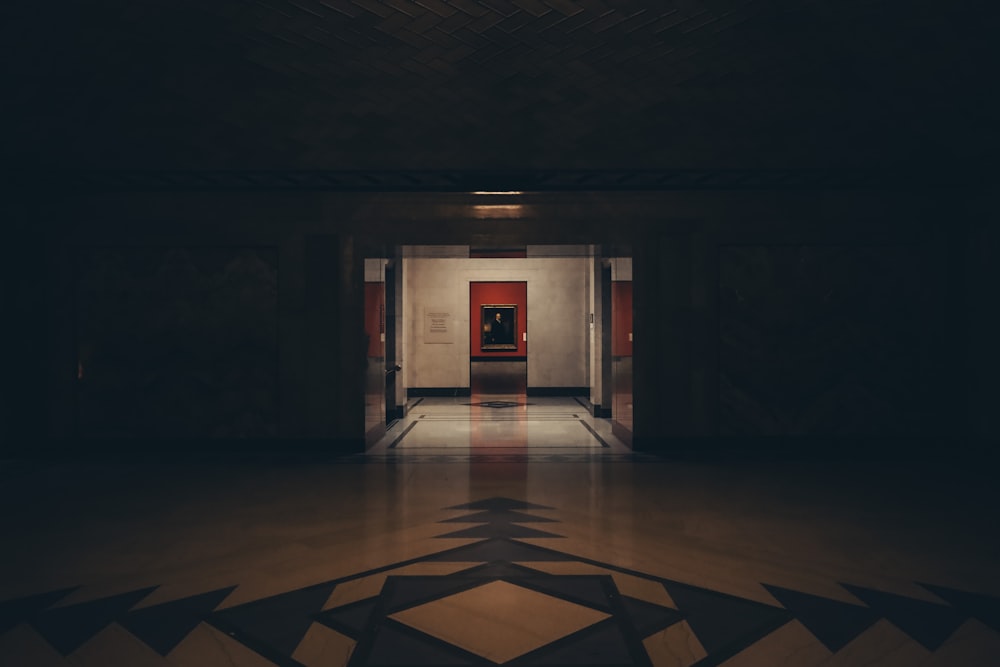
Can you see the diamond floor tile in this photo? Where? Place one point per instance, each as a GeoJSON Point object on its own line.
{"type": "Point", "coordinates": [499, 621]}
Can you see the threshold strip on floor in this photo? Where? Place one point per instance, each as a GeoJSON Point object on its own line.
{"type": "Point", "coordinates": [500, 411]}
{"type": "Point", "coordinates": [476, 450]}
{"type": "Point", "coordinates": [402, 435]}
{"type": "Point", "coordinates": [595, 456]}
{"type": "Point", "coordinates": [460, 418]}
{"type": "Point", "coordinates": [518, 445]}
{"type": "Point", "coordinates": [594, 433]}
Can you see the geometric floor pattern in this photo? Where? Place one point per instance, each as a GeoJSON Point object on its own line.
{"type": "Point", "coordinates": [499, 427]}
{"type": "Point", "coordinates": [500, 620]}
{"type": "Point", "coordinates": [499, 405]}
{"type": "Point", "coordinates": [512, 602]}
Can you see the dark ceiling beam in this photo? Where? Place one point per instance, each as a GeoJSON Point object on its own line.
{"type": "Point", "coordinates": [555, 180]}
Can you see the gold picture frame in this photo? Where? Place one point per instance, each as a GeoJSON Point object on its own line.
{"type": "Point", "coordinates": [498, 326]}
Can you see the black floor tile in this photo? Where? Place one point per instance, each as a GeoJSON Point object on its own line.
{"type": "Point", "coordinates": [832, 622]}
{"type": "Point", "coordinates": [499, 504]}
{"type": "Point", "coordinates": [499, 516]}
{"type": "Point", "coordinates": [499, 530]}
{"type": "Point", "coordinates": [591, 590]}
{"type": "Point", "coordinates": [21, 610]}
{"type": "Point", "coordinates": [162, 627]}
{"type": "Point", "coordinates": [927, 623]}
{"type": "Point", "coordinates": [650, 618]}
{"type": "Point", "coordinates": [278, 622]}
{"type": "Point", "coordinates": [351, 619]}
{"type": "Point", "coordinates": [397, 646]}
{"type": "Point", "coordinates": [498, 549]}
{"type": "Point", "coordinates": [725, 624]}
{"type": "Point", "coordinates": [68, 628]}
{"type": "Point", "coordinates": [984, 608]}
{"type": "Point", "coordinates": [603, 645]}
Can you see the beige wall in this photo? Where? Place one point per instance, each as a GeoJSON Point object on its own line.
{"type": "Point", "coordinates": [621, 268]}
{"type": "Point", "coordinates": [557, 317]}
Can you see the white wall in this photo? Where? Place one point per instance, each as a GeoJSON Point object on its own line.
{"type": "Point", "coordinates": [558, 315]}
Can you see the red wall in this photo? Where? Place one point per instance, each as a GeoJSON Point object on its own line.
{"type": "Point", "coordinates": [375, 317]}
{"type": "Point", "coordinates": [621, 318]}
{"type": "Point", "coordinates": [484, 293]}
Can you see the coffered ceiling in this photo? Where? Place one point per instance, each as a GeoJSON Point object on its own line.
{"type": "Point", "coordinates": [497, 84]}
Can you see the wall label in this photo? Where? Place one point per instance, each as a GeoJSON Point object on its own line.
{"type": "Point", "coordinates": [438, 325]}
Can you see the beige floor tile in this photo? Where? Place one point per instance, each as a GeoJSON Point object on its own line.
{"type": "Point", "coordinates": [23, 646]}
{"type": "Point", "coordinates": [358, 589]}
{"type": "Point", "coordinates": [676, 646]}
{"type": "Point", "coordinates": [882, 645]}
{"type": "Point", "coordinates": [688, 568]}
{"type": "Point", "coordinates": [366, 587]}
{"type": "Point", "coordinates": [791, 645]}
{"type": "Point", "coordinates": [323, 647]}
{"type": "Point", "coordinates": [115, 646]}
{"type": "Point", "coordinates": [259, 585]}
{"type": "Point", "coordinates": [972, 645]}
{"type": "Point", "coordinates": [101, 590]}
{"type": "Point", "coordinates": [207, 647]}
{"type": "Point", "coordinates": [499, 620]}
{"type": "Point", "coordinates": [184, 589]}
{"type": "Point", "coordinates": [627, 584]}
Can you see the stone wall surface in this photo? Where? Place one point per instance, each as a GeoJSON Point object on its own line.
{"type": "Point", "coordinates": [821, 340]}
{"type": "Point", "coordinates": [177, 342]}
{"type": "Point", "coordinates": [557, 317]}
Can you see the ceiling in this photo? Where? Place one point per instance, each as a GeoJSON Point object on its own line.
{"type": "Point", "coordinates": [498, 84]}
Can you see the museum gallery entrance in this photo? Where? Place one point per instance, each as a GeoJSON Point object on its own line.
{"type": "Point", "coordinates": [498, 339]}
{"type": "Point", "coordinates": [497, 348]}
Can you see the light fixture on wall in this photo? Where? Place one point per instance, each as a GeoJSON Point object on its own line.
{"type": "Point", "coordinates": [496, 204]}
{"type": "Point", "coordinates": [497, 192]}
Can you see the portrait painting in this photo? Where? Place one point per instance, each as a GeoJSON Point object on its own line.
{"type": "Point", "coordinates": [499, 327]}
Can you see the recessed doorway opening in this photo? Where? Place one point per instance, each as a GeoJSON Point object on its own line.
{"type": "Point", "coordinates": [500, 348]}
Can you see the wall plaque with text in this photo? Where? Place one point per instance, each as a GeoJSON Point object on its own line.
{"type": "Point", "coordinates": [438, 326]}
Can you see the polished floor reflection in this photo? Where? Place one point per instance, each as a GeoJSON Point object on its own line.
{"type": "Point", "coordinates": [483, 560]}
{"type": "Point", "coordinates": [498, 424]}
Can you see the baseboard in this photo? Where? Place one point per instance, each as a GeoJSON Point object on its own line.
{"type": "Point", "coordinates": [624, 434]}
{"type": "Point", "coordinates": [446, 392]}
{"type": "Point", "coordinates": [374, 434]}
{"type": "Point", "coordinates": [594, 409]}
{"type": "Point", "coordinates": [558, 391]}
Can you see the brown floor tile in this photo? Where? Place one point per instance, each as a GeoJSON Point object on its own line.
{"type": "Point", "coordinates": [323, 647]}
{"type": "Point", "coordinates": [676, 646]}
{"type": "Point", "coordinates": [499, 620]}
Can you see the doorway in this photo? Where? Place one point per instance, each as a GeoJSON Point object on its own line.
{"type": "Point", "coordinates": [621, 346]}
{"type": "Point", "coordinates": [482, 370]}
{"type": "Point", "coordinates": [375, 320]}
{"type": "Point", "coordinates": [498, 338]}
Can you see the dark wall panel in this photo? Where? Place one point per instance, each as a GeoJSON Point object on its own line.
{"type": "Point", "coordinates": [375, 319]}
{"type": "Point", "coordinates": [822, 340]}
{"type": "Point", "coordinates": [177, 342]}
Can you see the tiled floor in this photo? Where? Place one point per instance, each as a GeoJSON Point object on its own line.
{"type": "Point", "coordinates": [414, 559]}
{"type": "Point", "coordinates": [499, 426]}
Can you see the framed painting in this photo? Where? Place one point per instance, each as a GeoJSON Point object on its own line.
{"type": "Point", "coordinates": [499, 326]}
